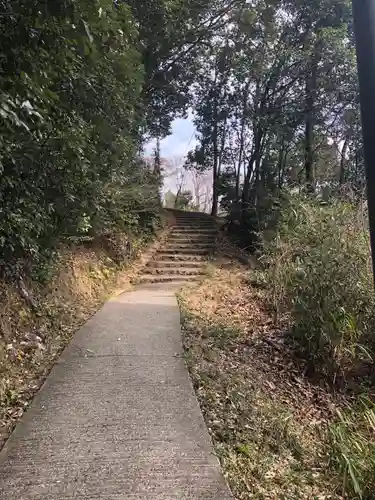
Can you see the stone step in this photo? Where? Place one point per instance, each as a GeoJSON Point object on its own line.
{"type": "Point", "coordinates": [182, 240]}
{"type": "Point", "coordinates": [196, 222]}
{"type": "Point", "coordinates": [195, 219]}
{"type": "Point", "coordinates": [189, 234]}
{"type": "Point", "coordinates": [181, 257]}
{"type": "Point", "coordinates": [181, 271]}
{"type": "Point", "coordinates": [188, 249]}
{"type": "Point", "coordinates": [171, 278]}
{"type": "Point", "coordinates": [212, 234]}
{"type": "Point", "coordinates": [184, 230]}
{"type": "Point", "coordinates": [194, 229]}
{"type": "Point", "coordinates": [180, 220]}
{"type": "Point", "coordinates": [192, 215]}
{"type": "Point", "coordinates": [178, 264]}
{"type": "Point", "coordinates": [191, 239]}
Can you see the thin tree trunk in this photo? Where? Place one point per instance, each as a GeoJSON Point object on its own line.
{"type": "Point", "coordinates": [311, 89]}
{"type": "Point", "coordinates": [215, 197]}
{"type": "Point", "coordinates": [246, 184]}
{"type": "Point", "coordinates": [282, 172]}
{"type": "Point", "coordinates": [157, 157]}
{"type": "Point", "coordinates": [177, 195]}
{"type": "Point", "coordinates": [356, 163]}
{"type": "Point", "coordinates": [242, 144]}
{"type": "Point", "coordinates": [215, 173]}
{"type": "Point", "coordinates": [257, 141]}
{"type": "Point", "coordinates": [247, 191]}
{"type": "Point", "coordinates": [309, 137]}
{"type": "Point", "coordinates": [281, 164]}
{"type": "Point", "coordinates": [240, 155]}
{"type": "Point", "coordinates": [238, 184]}
{"type": "Point", "coordinates": [343, 161]}
{"type": "Point", "coordinates": [257, 183]}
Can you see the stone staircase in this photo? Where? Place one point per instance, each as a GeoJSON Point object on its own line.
{"type": "Point", "coordinates": [183, 256]}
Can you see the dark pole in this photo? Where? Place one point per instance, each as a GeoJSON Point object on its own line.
{"type": "Point", "coordinates": [364, 27]}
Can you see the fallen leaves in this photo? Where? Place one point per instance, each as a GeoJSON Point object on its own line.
{"type": "Point", "coordinates": [267, 421]}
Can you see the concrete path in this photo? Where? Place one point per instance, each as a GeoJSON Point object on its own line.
{"type": "Point", "coordinates": [117, 418]}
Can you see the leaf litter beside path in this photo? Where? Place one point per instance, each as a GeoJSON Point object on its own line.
{"type": "Point", "coordinates": [268, 423]}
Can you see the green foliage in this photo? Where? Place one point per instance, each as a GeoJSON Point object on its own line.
{"type": "Point", "coordinates": [80, 83]}
{"type": "Point", "coordinates": [70, 83]}
{"type": "Point", "coordinates": [353, 449]}
{"type": "Point", "coordinates": [172, 34]}
{"type": "Point", "coordinates": [179, 201]}
{"type": "Point", "coordinates": [320, 270]}
{"type": "Point", "coordinates": [276, 102]}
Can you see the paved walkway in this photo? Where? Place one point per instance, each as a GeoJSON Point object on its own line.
{"type": "Point", "coordinates": [117, 418]}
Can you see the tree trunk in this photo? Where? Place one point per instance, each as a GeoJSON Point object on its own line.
{"type": "Point", "coordinates": [239, 163]}
{"type": "Point", "coordinates": [311, 89]}
{"type": "Point", "coordinates": [215, 198]}
{"type": "Point", "coordinates": [238, 184]}
{"type": "Point", "coordinates": [177, 196]}
{"type": "Point", "coordinates": [255, 157]}
{"type": "Point", "coordinates": [309, 153]}
{"type": "Point", "coordinates": [246, 184]}
{"type": "Point", "coordinates": [242, 144]}
{"type": "Point", "coordinates": [251, 185]}
{"type": "Point", "coordinates": [282, 172]}
{"type": "Point", "coordinates": [343, 161]}
{"type": "Point", "coordinates": [157, 158]}
{"type": "Point", "coordinates": [215, 173]}
{"type": "Point", "coordinates": [280, 163]}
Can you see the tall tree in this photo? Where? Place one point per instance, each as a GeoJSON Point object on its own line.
{"type": "Point", "coordinates": [289, 79]}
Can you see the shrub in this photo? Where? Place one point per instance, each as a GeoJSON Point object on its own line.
{"type": "Point", "coordinates": [320, 270]}
{"type": "Point", "coordinates": [70, 87]}
{"type": "Point", "coordinates": [320, 275]}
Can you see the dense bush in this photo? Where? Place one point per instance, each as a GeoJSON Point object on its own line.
{"type": "Point", "coordinates": [320, 276]}
{"type": "Point", "coordinates": [70, 81]}
{"type": "Point", "coordinates": [320, 271]}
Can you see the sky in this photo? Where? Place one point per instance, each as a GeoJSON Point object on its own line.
{"type": "Point", "coordinates": [179, 142]}
{"type": "Point", "coordinates": [176, 145]}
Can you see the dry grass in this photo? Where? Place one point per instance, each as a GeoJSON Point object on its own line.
{"type": "Point", "coordinates": [268, 423]}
